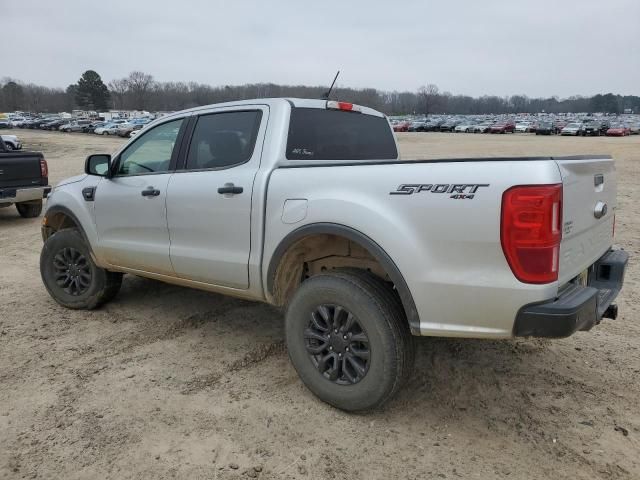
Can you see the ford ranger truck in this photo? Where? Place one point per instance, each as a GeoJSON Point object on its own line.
{"type": "Point", "coordinates": [306, 205]}
{"type": "Point", "coordinates": [23, 180]}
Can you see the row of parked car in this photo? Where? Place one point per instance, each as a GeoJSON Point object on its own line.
{"type": "Point", "coordinates": [549, 126]}
{"type": "Point", "coordinates": [120, 127]}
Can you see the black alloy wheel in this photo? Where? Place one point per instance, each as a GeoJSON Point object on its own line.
{"type": "Point", "coordinates": [72, 271]}
{"type": "Point", "coordinates": [337, 344]}
{"type": "Point", "coordinates": [70, 275]}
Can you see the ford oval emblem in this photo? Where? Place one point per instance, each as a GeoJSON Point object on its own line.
{"type": "Point", "coordinates": [600, 210]}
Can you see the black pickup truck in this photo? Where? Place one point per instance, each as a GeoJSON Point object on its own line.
{"type": "Point", "coordinates": [23, 181]}
{"type": "Point", "coordinates": [594, 128]}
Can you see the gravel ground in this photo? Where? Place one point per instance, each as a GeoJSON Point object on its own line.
{"type": "Point", "coordinates": [166, 382]}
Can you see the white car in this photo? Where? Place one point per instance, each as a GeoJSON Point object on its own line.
{"type": "Point", "coordinates": [17, 121]}
{"type": "Point", "coordinates": [482, 127]}
{"type": "Point", "coordinates": [110, 129]}
{"type": "Point", "coordinates": [523, 127]}
{"type": "Point", "coordinates": [466, 127]}
{"type": "Point", "coordinates": [572, 129]}
{"type": "Point", "coordinates": [11, 142]}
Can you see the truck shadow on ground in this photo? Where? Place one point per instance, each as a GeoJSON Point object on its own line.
{"type": "Point", "coordinates": [453, 377]}
{"type": "Point", "coordinates": [9, 217]}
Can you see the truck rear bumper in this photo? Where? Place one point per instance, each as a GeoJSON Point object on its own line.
{"type": "Point", "coordinates": [18, 195]}
{"type": "Point", "coordinates": [577, 307]}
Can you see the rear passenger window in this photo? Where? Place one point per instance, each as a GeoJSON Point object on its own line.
{"type": "Point", "coordinates": [221, 140]}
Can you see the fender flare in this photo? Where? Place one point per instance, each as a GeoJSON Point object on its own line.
{"type": "Point", "coordinates": [65, 211]}
{"type": "Point", "coordinates": [364, 241]}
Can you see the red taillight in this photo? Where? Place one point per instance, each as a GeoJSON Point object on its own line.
{"type": "Point", "coordinates": [531, 230]}
{"type": "Point", "coordinates": [44, 169]}
{"type": "Point", "coordinates": [349, 107]}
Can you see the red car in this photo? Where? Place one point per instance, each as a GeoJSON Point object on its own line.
{"type": "Point", "coordinates": [503, 127]}
{"type": "Point", "coordinates": [401, 127]}
{"type": "Point", "coordinates": [618, 131]}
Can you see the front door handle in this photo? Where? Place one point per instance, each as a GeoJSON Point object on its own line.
{"type": "Point", "coordinates": [150, 192]}
{"type": "Point", "coordinates": [230, 188]}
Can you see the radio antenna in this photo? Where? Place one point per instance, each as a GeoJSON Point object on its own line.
{"type": "Point", "coordinates": [328, 92]}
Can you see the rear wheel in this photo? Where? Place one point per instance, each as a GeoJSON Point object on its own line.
{"type": "Point", "coordinates": [70, 275]}
{"type": "Point", "coordinates": [29, 210]}
{"type": "Point", "coordinates": [349, 340]}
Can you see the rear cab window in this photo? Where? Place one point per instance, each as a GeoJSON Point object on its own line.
{"type": "Point", "coordinates": [324, 134]}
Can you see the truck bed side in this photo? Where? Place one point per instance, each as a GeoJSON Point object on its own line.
{"type": "Point", "coordinates": [445, 243]}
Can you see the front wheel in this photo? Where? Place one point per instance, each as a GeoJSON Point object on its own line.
{"type": "Point", "coordinates": [9, 146]}
{"type": "Point", "coordinates": [70, 275]}
{"type": "Point", "coordinates": [29, 210]}
{"type": "Point", "coordinates": [349, 340]}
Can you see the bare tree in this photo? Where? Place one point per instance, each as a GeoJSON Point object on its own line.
{"type": "Point", "coordinates": [119, 88]}
{"type": "Point", "coordinates": [140, 86]}
{"type": "Point", "coordinates": [429, 96]}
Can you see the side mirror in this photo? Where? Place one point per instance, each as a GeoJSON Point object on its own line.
{"type": "Point", "coordinates": [99, 165]}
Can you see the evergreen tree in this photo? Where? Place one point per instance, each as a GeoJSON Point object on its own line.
{"type": "Point", "coordinates": [91, 92]}
{"type": "Point", "coordinates": [13, 96]}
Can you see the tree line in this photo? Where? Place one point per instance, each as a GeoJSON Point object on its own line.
{"type": "Point", "coordinates": [140, 91]}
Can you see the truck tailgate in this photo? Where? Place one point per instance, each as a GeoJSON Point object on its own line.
{"type": "Point", "coordinates": [589, 184]}
{"type": "Point", "coordinates": [20, 169]}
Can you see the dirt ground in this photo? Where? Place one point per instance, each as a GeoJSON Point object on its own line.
{"type": "Point", "coordinates": [166, 382]}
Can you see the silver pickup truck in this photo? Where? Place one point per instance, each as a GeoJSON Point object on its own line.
{"type": "Point", "coordinates": [305, 204]}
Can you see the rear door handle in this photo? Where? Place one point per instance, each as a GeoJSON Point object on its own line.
{"type": "Point", "coordinates": [230, 188]}
{"type": "Point", "coordinates": [150, 192]}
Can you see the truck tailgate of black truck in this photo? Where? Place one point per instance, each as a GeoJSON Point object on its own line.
{"type": "Point", "coordinates": [21, 169]}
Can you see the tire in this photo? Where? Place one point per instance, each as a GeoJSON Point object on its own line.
{"type": "Point", "coordinates": [105, 133]}
{"type": "Point", "coordinates": [29, 210]}
{"type": "Point", "coordinates": [9, 146]}
{"type": "Point", "coordinates": [377, 314]}
{"type": "Point", "coordinates": [93, 285]}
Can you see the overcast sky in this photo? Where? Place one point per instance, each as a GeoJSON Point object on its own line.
{"type": "Point", "coordinates": [501, 47]}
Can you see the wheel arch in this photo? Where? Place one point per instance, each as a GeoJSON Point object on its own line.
{"type": "Point", "coordinates": [59, 217]}
{"type": "Point", "coordinates": [288, 243]}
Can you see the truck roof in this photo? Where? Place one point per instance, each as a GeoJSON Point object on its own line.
{"type": "Point", "coordinates": [274, 102]}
